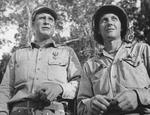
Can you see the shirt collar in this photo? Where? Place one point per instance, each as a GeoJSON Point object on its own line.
{"type": "Point", "coordinates": [44, 44]}
{"type": "Point", "coordinates": [123, 47]}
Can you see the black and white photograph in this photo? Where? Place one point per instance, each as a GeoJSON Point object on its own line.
{"type": "Point", "coordinates": [74, 57]}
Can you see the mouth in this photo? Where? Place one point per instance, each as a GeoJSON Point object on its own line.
{"type": "Point", "coordinates": [45, 28]}
{"type": "Point", "coordinates": [110, 29]}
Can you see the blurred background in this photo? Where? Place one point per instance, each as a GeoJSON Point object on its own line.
{"type": "Point", "coordinates": [74, 27]}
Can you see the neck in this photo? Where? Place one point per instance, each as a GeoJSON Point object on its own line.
{"type": "Point", "coordinates": [112, 46]}
{"type": "Point", "coordinates": [43, 41]}
{"type": "Point", "coordinates": [41, 38]}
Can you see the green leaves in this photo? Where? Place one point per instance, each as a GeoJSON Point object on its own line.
{"type": "Point", "coordinates": [75, 17]}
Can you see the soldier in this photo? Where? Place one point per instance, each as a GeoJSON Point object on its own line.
{"type": "Point", "coordinates": [117, 82]}
{"type": "Point", "coordinates": [37, 78]}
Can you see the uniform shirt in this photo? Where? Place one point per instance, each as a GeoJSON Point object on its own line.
{"type": "Point", "coordinates": [32, 67]}
{"type": "Point", "coordinates": [129, 69]}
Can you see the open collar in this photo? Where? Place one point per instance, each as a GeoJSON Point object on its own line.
{"type": "Point", "coordinates": [44, 44]}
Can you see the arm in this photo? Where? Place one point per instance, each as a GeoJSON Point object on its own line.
{"type": "Point", "coordinates": [6, 86]}
{"type": "Point", "coordinates": [144, 93]}
{"type": "Point", "coordinates": [137, 99]}
{"type": "Point", "coordinates": [74, 73]}
{"type": "Point", "coordinates": [85, 93]}
{"type": "Point", "coordinates": [90, 103]}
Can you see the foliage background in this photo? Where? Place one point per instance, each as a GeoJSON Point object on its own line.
{"type": "Point", "coordinates": [74, 27]}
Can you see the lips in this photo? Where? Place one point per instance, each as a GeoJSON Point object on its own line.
{"type": "Point", "coordinates": [45, 28]}
{"type": "Point", "coordinates": [109, 29]}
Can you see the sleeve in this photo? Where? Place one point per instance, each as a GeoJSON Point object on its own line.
{"type": "Point", "coordinates": [74, 71]}
{"type": "Point", "coordinates": [6, 86]}
{"type": "Point", "coordinates": [85, 92]}
{"type": "Point", "coordinates": [144, 93]}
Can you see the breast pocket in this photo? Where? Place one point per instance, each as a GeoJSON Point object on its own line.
{"type": "Point", "coordinates": [57, 70]}
{"type": "Point", "coordinates": [132, 62]}
{"type": "Point", "coordinates": [134, 72]}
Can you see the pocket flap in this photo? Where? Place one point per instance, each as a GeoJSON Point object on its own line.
{"type": "Point", "coordinates": [61, 62]}
{"type": "Point", "coordinates": [132, 61]}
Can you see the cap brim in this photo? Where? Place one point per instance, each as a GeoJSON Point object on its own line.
{"type": "Point", "coordinates": [44, 10]}
{"type": "Point", "coordinates": [115, 10]}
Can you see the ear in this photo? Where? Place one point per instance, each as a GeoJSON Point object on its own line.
{"type": "Point", "coordinates": [121, 29]}
{"type": "Point", "coordinates": [99, 31]}
{"type": "Point", "coordinates": [33, 30]}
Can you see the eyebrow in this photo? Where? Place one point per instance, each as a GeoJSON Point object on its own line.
{"type": "Point", "coordinates": [111, 17]}
{"type": "Point", "coordinates": [50, 17]}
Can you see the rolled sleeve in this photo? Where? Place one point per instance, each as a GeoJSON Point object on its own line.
{"type": "Point", "coordinates": [85, 93]}
{"type": "Point", "coordinates": [144, 96]}
{"type": "Point", "coordinates": [69, 90]}
{"type": "Point", "coordinates": [85, 108]}
{"type": "Point", "coordinates": [144, 93]}
{"type": "Point", "coordinates": [6, 86]}
{"type": "Point", "coordinates": [74, 73]}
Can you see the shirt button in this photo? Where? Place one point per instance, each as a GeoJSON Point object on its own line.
{"type": "Point", "coordinates": [30, 77]}
{"type": "Point", "coordinates": [114, 92]}
{"type": "Point", "coordinates": [114, 76]}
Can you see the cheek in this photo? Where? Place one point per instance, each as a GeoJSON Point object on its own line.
{"type": "Point", "coordinates": [119, 27]}
{"type": "Point", "coordinates": [52, 25]}
{"type": "Point", "coordinates": [101, 29]}
{"type": "Point", "coordinates": [37, 26]}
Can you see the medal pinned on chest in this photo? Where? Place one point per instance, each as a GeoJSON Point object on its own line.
{"type": "Point", "coordinates": [55, 55]}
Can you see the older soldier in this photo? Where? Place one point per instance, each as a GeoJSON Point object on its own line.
{"type": "Point", "coordinates": [40, 76]}
{"type": "Point", "coordinates": [117, 82]}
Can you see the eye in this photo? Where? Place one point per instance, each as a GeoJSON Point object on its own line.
{"type": "Point", "coordinates": [42, 17]}
{"type": "Point", "coordinates": [51, 19]}
{"type": "Point", "coordinates": [114, 18]}
{"type": "Point", "coordinates": [103, 20]}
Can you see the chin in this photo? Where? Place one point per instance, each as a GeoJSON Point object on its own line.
{"type": "Point", "coordinates": [110, 36]}
{"type": "Point", "coordinates": [45, 36]}
{"type": "Point", "coordinates": [45, 33]}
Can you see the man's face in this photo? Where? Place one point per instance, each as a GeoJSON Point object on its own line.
{"type": "Point", "coordinates": [110, 27]}
{"type": "Point", "coordinates": [44, 25]}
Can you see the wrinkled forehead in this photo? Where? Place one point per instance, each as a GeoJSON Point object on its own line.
{"type": "Point", "coordinates": [44, 15]}
{"type": "Point", "coordinates": [107, 15]}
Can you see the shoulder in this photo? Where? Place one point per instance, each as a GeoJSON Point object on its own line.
{"type": "Point", "coordinates": [23, 47]}
{"type": "Point", "coordinates": [21, 51]}
{"type": "Point", "coordinates": [66, 49]}
{"type": "Point", "coordinates": [136, 45]}
{"type": "Point", "coordinates": [145, 48]}
{"type": "Point", "coordinates": [141, 46]}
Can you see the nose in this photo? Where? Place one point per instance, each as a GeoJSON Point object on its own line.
{"type": "Point", "coordinates": [46, 21]}
{"type": "Point", "coordinates": [110, 21]}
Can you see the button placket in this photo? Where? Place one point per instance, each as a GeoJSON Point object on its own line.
{"type": "Point", "coordinates": [38, 63]}
{"type": "Point", "coordinates": [113, 77]}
